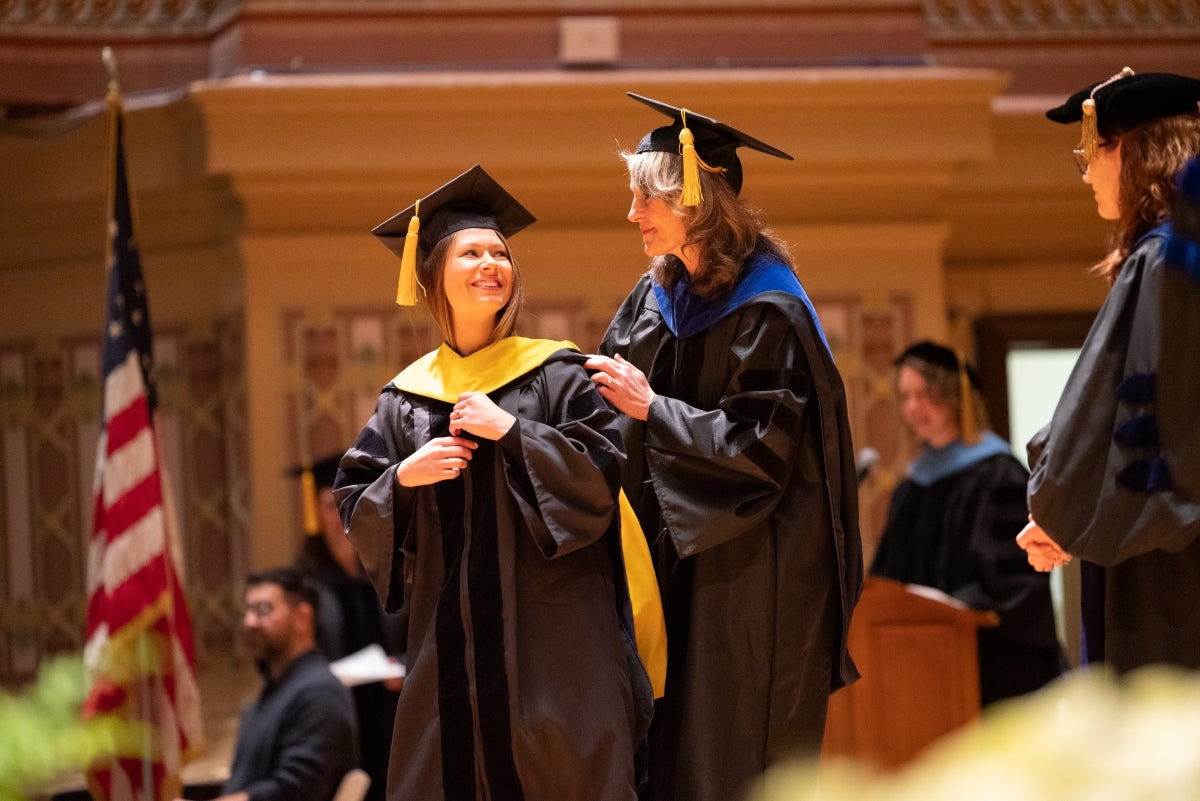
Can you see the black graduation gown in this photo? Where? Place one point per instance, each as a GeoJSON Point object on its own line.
{"type": "Point", "coordinates": [958, 534]}
{"type": "Point", "coordinates": [743, 480]}
{"type": "Point", "coordinates": [350, 618]}
{"type": "Point", "coordinates": [1116, 474]}
{"type": "Point", "coordinates": [521, 681]}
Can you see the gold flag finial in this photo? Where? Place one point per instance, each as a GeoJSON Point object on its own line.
{"type": "Point", "coordinates": [110, 63]}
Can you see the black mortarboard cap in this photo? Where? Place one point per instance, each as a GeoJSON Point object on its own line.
{"type": "Point", "coordinates": [472, 200]}
{"type": "Point", "coordinates": [715, 142]}
{"type": "Point", "coordinates": [323, 470]}
{"type": "Point", "coordinates": [1125, 101]}
{"type": "Point", "coordinates": [939, 356]}
{"type": "Point", "coordinates": [313, 477]}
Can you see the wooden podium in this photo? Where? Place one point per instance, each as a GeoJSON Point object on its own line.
{"type": "Point", "coordinates": [917, 651]}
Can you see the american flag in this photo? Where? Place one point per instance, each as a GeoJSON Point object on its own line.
{"type": "Point", "coordinates": [139, 637]}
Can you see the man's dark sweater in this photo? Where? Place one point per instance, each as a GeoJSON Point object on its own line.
{"type": "Point", "coordinates": [298, 739]}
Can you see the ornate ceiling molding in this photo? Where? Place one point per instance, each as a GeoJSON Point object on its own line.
{"type": "Point", "coordinates": [1007, 20]}
{"type": "Point", "coordinates": [123, 19]}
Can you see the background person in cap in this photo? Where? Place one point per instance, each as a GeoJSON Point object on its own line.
{"type": "Point", "coordinates": [482, 495]}
{"type": "Point", "coordinates": [1116, 474]}
{"type": "Point", "coordinates": [950, 522]}
{"type": "Point", "coordinates": [740, 465]}
{"type": "Point", "coordinates": [349, 616]}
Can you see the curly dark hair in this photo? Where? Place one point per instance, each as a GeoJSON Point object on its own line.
{"type": "Point", "coordinates": [1152, 155]}
{"type": "Point", "coordinates": [723, 229]}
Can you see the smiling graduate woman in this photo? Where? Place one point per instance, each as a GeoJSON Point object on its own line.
{"type": "Point", "coordinates": [483, 495]}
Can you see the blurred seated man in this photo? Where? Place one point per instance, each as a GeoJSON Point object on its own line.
{"type": "Point", "coordinates": [951, 520]}
{"type": "Point", "coordinates": [298, 740]}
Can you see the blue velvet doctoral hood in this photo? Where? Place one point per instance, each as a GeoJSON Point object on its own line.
{"type": "Point", "coordinates": [686, 313]}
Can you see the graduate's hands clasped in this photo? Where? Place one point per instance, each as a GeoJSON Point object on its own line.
{"type": "Point", "coordinates": [446, 457]}
{"type": "Point", "coordinates": [1043, 553]}
{"type": "Point", "coordinates": [622, 385]}
{"type": "Point", "coordinates": [478, 414]}
{"type": "Point", "coordinates": [437, 460]}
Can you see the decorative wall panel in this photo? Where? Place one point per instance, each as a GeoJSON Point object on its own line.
{"type": "Point", "coordinates": [866, 331]}
{"type": "Point", "coordinates": [50, 400]}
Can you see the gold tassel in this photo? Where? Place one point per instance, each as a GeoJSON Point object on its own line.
{"type": "Point", "coordinates": [966, 402]}
{"type": "Point", "coordinates": [406, 292]}
{"type": "Point", "coordinates": [1089, 138]}
{"type": "Point", "coordinates": [692, 194]}
{"type": "Point", "coordinates": [308, 487]}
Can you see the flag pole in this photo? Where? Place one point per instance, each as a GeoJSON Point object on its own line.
{"type": "Point", "coordinates": [112, 110]}
{"type": "Point", "coordinates": [149, 790]}
{"type": "Point", "coordinates": [144, 653]}
{"type": "Point", "coordinates": [138, 631]}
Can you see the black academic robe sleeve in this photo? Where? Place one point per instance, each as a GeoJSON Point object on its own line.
{"type": "Point", "coordinates": [564, 472]}
{"type": "Point", "coordinates": [1115, 474]}
{"type": "Point", "coordinates": [376, 511]}
{"type": "Point", "coordinates": [722, 472]}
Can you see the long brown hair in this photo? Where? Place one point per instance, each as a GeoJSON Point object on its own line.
{"type": "Point", "coordinates": [1152, 155]}
{"type": "Point", "coordinates": [430, 274]}
{"type": "Point", "coordinates": [723, 229]}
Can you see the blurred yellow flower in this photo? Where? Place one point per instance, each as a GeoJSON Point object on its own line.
{"type": "Point", "coordinates": [1087, 737]}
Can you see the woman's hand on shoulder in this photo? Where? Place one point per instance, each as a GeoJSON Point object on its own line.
{"type": "Point", "coordinates": [622, 385]}
{"type": "Point", "coordinates": [478, 414]}
{"type": "Point", "coordinates": [437, 460]}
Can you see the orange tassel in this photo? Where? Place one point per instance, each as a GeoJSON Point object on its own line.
{"type": "Point", "coordinates": [308, 487]}
{"type": "Point", "coordinates": [1089, 136]}
{"type": "Point", "coordinates": [966, 401]}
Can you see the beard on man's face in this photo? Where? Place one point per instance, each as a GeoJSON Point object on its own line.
{"type": "Point", "coordinates": [264, 646]}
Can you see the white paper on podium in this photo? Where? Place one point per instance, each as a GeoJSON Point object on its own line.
{"type": "Point", "coordinates": [365, 666]}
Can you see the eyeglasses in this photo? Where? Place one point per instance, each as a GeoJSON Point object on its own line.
{"type": "Point", "coordinates": [260, 609]}
{"type": "Point", "coordinates": [1081, 159]}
